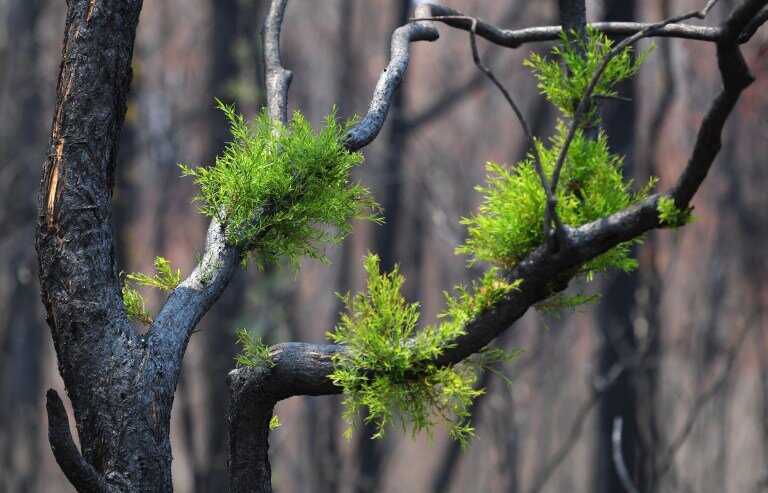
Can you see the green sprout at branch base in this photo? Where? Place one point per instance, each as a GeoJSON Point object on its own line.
{"type": "Point", "coordinates": [671, 216]}
{"type": "Point", "coordinates": [165, 279]}
{"type": "Point", "coordinates": [255, 352]}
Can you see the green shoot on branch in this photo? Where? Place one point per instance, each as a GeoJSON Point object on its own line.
{"type": "Point", "coordinates": [255, 352]}
{"type": "Point", "coordinates": [135, 305]}
{"type": "Point", "coordinates": [166, 279]}
{"type": "Point", "coordinates": [281, 191]}
{"type": "Point", "coordinates": [274, 423]}
{"type": "Point", "coordinates": [671, 216]}
{"type": "Point", "coordinates": [564, 77]}
{"type": "Point", "coordinates": [388, 367]}
{"type": "Point", "coordinates": [509, 224]}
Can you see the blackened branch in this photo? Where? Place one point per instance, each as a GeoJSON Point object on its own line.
{"type": "Point", "coordinates": [366, 130]}
{"type": "Point", "coordinates": [80, 473]}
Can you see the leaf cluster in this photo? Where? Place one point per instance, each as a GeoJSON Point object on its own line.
{"type": "Point", "coordinates": [671, 216]}
{"type": "Point", "coordinates": [509, 224]}
{"type": "Point", "coordinates": [389, 367]}
{"type": "Point", "coordinates": [255, 352]}
{"type": "Point", "coordinates": [281, 191]}
{"type": "Point", "coordinates": [165, 279]}
{"type": "Point", "coordinates": [565, 76]}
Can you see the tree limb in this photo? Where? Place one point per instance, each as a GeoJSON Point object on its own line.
{"type": "Point", "coordinates": [542, 272]}
{"type": "Point", "coordinates": [196, 294]}
{"type": "Point", "coordinates": [366, 130]}
{"type": "Point", "coordinates": [79, 472]}
{"type": "Point", "coordinates": [586, 100]}
{"type": "Point", "coordinates": [278, 78]}
{"type": "Point", "coordinates": [618, 457]}
{"type": "Point", "coordinates": [514, 38]}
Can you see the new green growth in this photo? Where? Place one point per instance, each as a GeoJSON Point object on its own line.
{"type": "Point", "coordinates": [389, 367]}
{"type": "Point", "coordinates": [282, 191]}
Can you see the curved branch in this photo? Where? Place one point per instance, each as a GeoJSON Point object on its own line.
{"type": "Point", "coordinates": [79, 472]}
{"type": "Point", "coordinates": [366, 130]}
{"type": "Point", "coordinates": [195, 295]}
{"type": "Point", "coordinates": [278, 78]}
{"type": "Point", "coordinates": [192, 299]}
{"type": "Point", "coordinates": [618, 457]}
{"type": "Point", "coordinates": [302, 369]}
{"type": "Point", "coordinates": [514, 38]}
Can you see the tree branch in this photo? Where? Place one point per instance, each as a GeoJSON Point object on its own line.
{"type": "Point", "coordinates": [303, 369]}
{"type": "Point", "coordinates": [586, 100]}
{"type": "Point", "coordinates": [514, 38]}
{"type": "Point", "coordinates": [193, 298]}
{"type": "Point", "coordinates": [366, 130]}
{"type": "Point", "coordinates": [278, 78]}
{"type": "Point", "coordinates": [551, 214]}
{"type": "Point", "coordinates": [80, 473]}
{"type": "Point", "coordinates": [542, 273]}
{"type": "Point", "coordinates": [618, 457]}
{"type": "Point", "coordinates": [196, 294]}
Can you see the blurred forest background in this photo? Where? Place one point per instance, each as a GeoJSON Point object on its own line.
{"type": "Point", "coordinates": [678, 349]}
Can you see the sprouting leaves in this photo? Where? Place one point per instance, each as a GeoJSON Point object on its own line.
{"type": "Point", "coordinates": [388, 368]}
{"type": "Point", "coordinates": [510, 221]}
{"type": "Point", "coordinates": [282, 191]}
{"type": "Point", "coordinates": [671, 216]}
{"type": "Point", "coordinates": [564, 76]}
{"type": "Point", "coordinates": [165, 279]}
{"type": "Point", "coordinates": [135, 305]}
{"type": "Point", "coordinates": [255, 352]}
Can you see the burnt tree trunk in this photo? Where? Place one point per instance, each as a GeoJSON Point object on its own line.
{"type": "Point", "coordinates": [121, 384]}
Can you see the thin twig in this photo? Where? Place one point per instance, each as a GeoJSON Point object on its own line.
{"type": "Point", "coordinates": [618, 457]}
{"type": "Point", "coordinates": [550, 215]}
{"type": "Point", "coordinates": [514, 38]}
{"type": "Point", "coordinates": [612, 96]}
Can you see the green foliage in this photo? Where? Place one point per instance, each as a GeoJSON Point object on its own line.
{"type": "Point", "coordinates": [484, 295]}
{"type": "Point", "coordinates": [510, 221]}
{"type": "Point", "coordinates": [279, 190]}
{"type": "Point", "coordinates": [274, 423]}
{"type": "Point", "coordinates": [165, 279]}
{"type": "Point", "coordinates": [388, 368]}
{"type": "Point", "coordinates": [135, 305]}
{"type": "Point", "coordinates": [671, 216]}
{"type": "Point", "coordinates": [255, 352]}
{"type": "Point", "coordinates": [564, 77]}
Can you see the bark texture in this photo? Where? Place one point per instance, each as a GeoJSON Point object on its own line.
{"type": "Point", "coordinates": [121, 384]}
